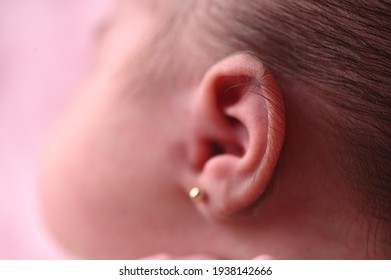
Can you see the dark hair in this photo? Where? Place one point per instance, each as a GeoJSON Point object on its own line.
{"type": "Point", "coordinates": [342, 49]}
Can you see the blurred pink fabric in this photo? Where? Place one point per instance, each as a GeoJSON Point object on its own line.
{"type": "Point", "coordinates": [45, 50]}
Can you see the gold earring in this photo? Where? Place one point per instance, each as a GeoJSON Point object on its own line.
{"type": "Point", "coordinates": [196, 194]}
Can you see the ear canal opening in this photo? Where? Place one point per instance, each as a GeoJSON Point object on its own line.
{"type": "Point", "coordinates": [225, 148]}
{"type": "Point", "coordinates": [216, 149]}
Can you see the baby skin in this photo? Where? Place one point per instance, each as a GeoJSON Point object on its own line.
{"type": "Point", "coordinates": [162, 113]}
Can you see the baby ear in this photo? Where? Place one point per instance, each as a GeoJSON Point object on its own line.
{"type": "Point", "coordinates": [237, 133]}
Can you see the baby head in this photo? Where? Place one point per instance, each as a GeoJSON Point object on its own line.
{"type": "Point", "coordinates": [274, 115]}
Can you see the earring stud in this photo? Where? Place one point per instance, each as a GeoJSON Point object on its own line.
{"type": "Point", "coordinates": [196, 194]}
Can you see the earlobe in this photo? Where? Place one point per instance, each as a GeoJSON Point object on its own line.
{"type": "Point", "coordinates": [238, 128]}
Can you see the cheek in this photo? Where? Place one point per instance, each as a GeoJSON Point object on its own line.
{"type": "Point", "coordinates": [104, 175]}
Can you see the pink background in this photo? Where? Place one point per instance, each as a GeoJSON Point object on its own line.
{"type": "Point", "coordinates": [45, 49]}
